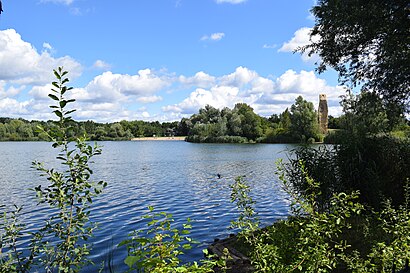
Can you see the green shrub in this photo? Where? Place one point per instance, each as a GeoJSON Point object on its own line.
{"type": "Point", "coordinates": [159, 250]}
{"type": "Point", "coordinates": [375, 166]}
{"type": "Point", "coordinates": [60, 245]}
{"type": "Point", "coordinates": [344, 238]}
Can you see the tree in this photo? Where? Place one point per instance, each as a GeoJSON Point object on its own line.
{"type": "Point", "coordinates": [334, 122]}
{"type": "Point", "coordinates": [250, 122]}
{"type": "Point", "coordinates": [209, 114]}
{"type": "Point", "coordinates": [2, 131]}
{"type": "Point", "coordinates": [235, 128]}
{"type": "Point", "coordinates": [364, 114]}
{"type": "Point", "coordinates": [367, 43]}
{"type": "Point", "coordinates": [285, 121]}
{"type": "Point", "coordinates": [303, 119]}
{"type": "Point", "coordinates": [184, 126]}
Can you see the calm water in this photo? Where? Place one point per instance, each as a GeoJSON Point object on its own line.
{"type": "Point", "coordinates": [173, 176]}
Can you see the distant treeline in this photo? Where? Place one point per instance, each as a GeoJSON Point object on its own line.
{"type": "Point", "coordinates": [23, 130]}
{"type": "Point", "coordinates": [296, 124]}
{"type": "Point", "coordinates": [238, 125]}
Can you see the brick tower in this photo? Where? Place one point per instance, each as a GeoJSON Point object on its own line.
{"type": "Point", "coordinates": [322, 113]}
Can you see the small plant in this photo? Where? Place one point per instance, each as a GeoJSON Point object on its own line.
{"type": "Point", "coordinates": [160, 249]}
{"type": "Point", "coordinates": [70, 192]}
{"type": "Point", "coordinates": [12, 258]}
{"type": "Point", "coordinates": [61, 244]}
{"type": "Point", "coordinates": [240, 194]}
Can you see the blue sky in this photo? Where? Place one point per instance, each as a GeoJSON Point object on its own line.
{"type": "Point", "coordinates": [158, 59]}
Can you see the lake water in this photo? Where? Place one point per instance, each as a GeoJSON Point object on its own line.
{"type": "Point", "coordinates": [173, 176]}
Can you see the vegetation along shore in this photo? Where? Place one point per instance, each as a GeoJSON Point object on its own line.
{"type": "Point", "coordinates": [349, 203]}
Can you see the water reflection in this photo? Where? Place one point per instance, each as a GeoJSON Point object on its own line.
{"type": "Point", "coordinates": [176, 177]}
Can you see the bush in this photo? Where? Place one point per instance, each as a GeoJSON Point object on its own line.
{"type": "Point", "coordinates": [278, 135]}
{"type": "Point", "coordinates": [159, 250]}
{"type": "Point", "coordinates": [334, 137]}
{"type": "Point", "coordinates": [376, 166]}
{"type": "Point", "coordinates": [344, 238]}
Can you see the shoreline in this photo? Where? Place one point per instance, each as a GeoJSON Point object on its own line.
{"type": "Point", "coordinates": [158, 139]}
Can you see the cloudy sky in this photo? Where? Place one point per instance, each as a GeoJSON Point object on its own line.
{"type": "Point", "coordinates": [158, 59]}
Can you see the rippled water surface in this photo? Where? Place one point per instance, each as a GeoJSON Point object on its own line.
{"type": "Point", "coordinates": [173, 176]}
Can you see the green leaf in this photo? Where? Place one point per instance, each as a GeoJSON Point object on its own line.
{"type": "Point", "coordinates": [131, 260]}
{"type": "Point", "coordinates": [63, 103]}
{"type": "Point", "coordinates": [58, 113]}
{"type": "Point", "coordinates": [186, 246]}
{"type": "Point", "coordinates": [54, 97]}
{"type": "Point", "coordinates": [57, 75]}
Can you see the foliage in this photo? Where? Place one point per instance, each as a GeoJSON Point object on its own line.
{"type": "Point", "coordinates": [23, 130]}
{"type": "Point", "coordinates": [319, 163]}
{"type": "Point", "coordinates": [60, 245]}
{"type": "Point", "coordinates": [366, 42]}
{"type": "Point", "coordinates": [219, 139]}
{"type": "Point", "coordinates": [161, 247]}
{"type": "Point", "coordinates": [391, 243]}
{"type": "Point", "coordinates": [376, 166]}
{"type": "Point", "coordinates": [238, 125]}
{"type": "Point", "coordinates": [303, 117]}
{"type": "Point", "coordinates": [344, 238]}
{"type": "Point", "coordinates": [240, 195]}
{"type": "Point", "coordinates": [364, 114]}
{"type": "Point", "coordinates": [309, 241]}
{"type": "Point", "coordinates": [12, 258]}
{"type": "Point", "coordinates": [241, 125]}
{"type": "Point", "coordinates": [69, 191]}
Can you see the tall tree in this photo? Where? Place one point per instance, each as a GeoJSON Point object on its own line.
{"type": "Point", "coordinates": [303, 119]}
{"type": "Point", "coordinates": [250, 121]}
{"type": "Point", "coordinates": [367, 43]}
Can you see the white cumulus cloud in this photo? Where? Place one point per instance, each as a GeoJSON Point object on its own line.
{"type": "Point", "coordinates": [306, 84]}
{"type": "Point", "coordinates": [149, 99]}
{"type": "Point", "coordinates": [118, 87]}
{"type": "Point", "coordinates": [213, 37]}
{"type": "Point", "coordinates": [301, 38]}
{"type": "Point", "coordinates": [265, 95]}
{"type": "Point", "coordinates": [99, 64]}
{"type": "Point", "coordinates": [200, 79]}
{"type": "Point", "coordinates": [47, 46]}
{"type": "Point", "coordinates": [217, 96]}
{"type": "Point", "coordinates": [9, 91]}
{"type": "Point", "coordinates": [240, 77]}
{"type": "Point", "coordinates": [21, 63]}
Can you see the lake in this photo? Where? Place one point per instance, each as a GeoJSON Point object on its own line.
{"type": "Point", "coordinates": [173, 176]}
